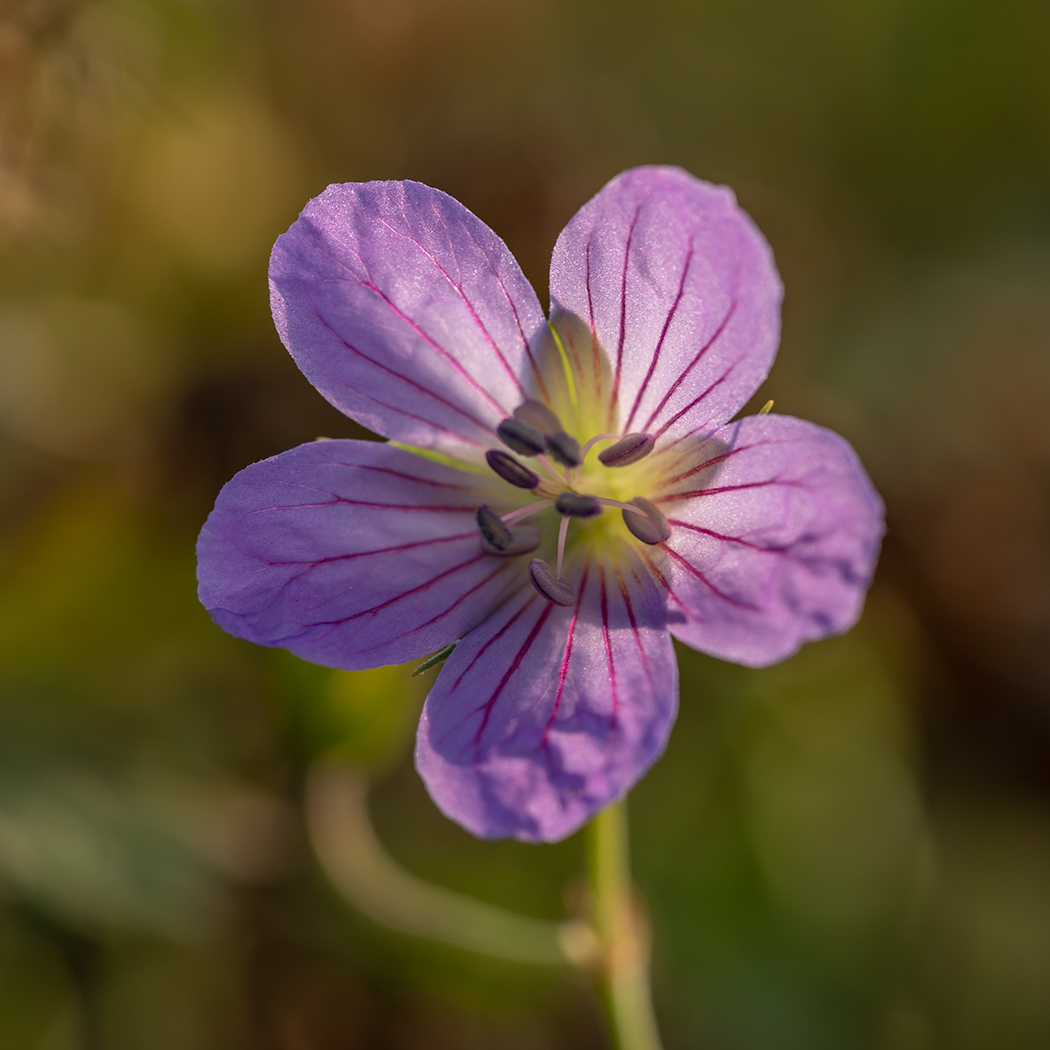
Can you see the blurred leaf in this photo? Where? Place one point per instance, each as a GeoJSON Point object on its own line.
{"type": "Point", "coordinates": [833, 800]}
{"type": "Point", "coordinates": [38, 1006]}
{"type": "Point", "coordinates": [363, 717]}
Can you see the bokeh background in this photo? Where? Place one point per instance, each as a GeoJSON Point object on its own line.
{"type": "Point", "coordinates": [851, 850]}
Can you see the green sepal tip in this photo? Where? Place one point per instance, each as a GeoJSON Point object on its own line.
{"type": "Point", "coordinates": [438, 658]}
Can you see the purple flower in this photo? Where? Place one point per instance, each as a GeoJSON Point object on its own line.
{"type": "Point", "coordinates": [557, 498]}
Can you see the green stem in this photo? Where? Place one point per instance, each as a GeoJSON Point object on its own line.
{"type": "Point", "coordinates": [623, 933]}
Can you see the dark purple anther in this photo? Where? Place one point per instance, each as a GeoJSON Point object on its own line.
{"type": "Point", "coordinates": [629, 449]}
{"type": "Point", "coordinates": [651, 529]}
{"type": "Point", "coordinates": [523, 540]}
{"type": "Point", "coordinates": [523, 439]}
{"type": "Point", "coordinates": [508, 468]}
{"type": "Point", "coordinates": [564, 448]}
{"type": "Point", "coordinates": [493, 531]}
{"type": "Point", "coordinates": [573, 505]}
{"type": "Point", "coordinates": [553, 588]}
{"type": "Point", "coordinates": [533, 414]}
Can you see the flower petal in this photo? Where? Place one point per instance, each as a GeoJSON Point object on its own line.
{"type": "Point", "coordinates": [406, 312]}
{"type": "Point", "coordinates": [679, 288]}
{"type": "Point", "coordinates": [351, 554]}
{"type": "Point", "coordinates": [775, 532]}
{"type": "Point", "coordinates": [545, 714]}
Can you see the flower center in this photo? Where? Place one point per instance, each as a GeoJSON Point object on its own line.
{"type": "Point", "coordinates": [568, 479]}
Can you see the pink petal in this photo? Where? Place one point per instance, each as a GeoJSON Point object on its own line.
{"type": "Point", "coordinates": [545, 714]}
{"type": "Point", "coordinates": [679, 289]}
{"type": "Point", "coordinates": [351, 554]}
{"type": "Point", "coordinates": [775, 532]}
{"type": "Point", "coordinates": [406, 312]}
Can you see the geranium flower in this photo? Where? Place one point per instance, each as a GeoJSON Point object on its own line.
{"type": "Point", "coordinates": [556, 499]}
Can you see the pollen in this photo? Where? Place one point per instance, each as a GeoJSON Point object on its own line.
{"type": "Point", "coordinates": [555, 589]}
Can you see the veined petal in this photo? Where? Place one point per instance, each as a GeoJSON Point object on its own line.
{"type": "Point", "coordinates": [351, 554]}
{"type": "Point", "coordinates": [545, 714]}
{"type": "Point", "coordinates": [406, 312]}
{"type": "Point", "coordinates": [775, 532]}
{"type": "Point", "coordinates": [679, 290]}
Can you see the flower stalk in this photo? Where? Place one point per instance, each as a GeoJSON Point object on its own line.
{"type": "Point", "coordinates": [623, 933]}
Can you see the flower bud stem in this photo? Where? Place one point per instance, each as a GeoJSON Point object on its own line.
{"type": "Point", "coordinates": [623, 933]}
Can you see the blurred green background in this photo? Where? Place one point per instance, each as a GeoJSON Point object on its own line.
{"type": "Point", "coordinates": [849, 851]}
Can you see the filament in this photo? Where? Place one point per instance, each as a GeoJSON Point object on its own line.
{"type": "Point", "coordinates": [590, 444]}
{"type": "Point", "coordinates": [563, 531]}
{"type": "Point", "coordinates": [531, 508]}
{"type": "Point", "coordinates": [549, 467]}
{"type": "Point", "coordinates": [616, 503]}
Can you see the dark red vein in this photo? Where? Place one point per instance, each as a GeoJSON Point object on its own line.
{"type": "Point", "coordinates": [608, 651]}
{"type": "Point", "coordinates": [710, 463]}
{"type": "Point", "coordinates": [726, 539]}
{"type": "Point", "coordinates": [470, 307]}
{"type": "Point", "coordinates": [575, 352]}
{"type": "Point", "coordinates": [568, 654]}
{"type": "Point", "coordinates": [692, 404]}
{"type": "Point", "coordinates": [663, 336]}
{"type": "Point", "coordinates": [727, 488]}
{"type": "Point", "coordinates": [500, 568]}
{"type": "Point", "coordinates": [707, 583]}
{"type": "Point", "coordinates": [621, 338]}
{"type": "Point", "coordinates": [692, 364]}
{"type": "Point", "coordinates": [408, 415]}
{"type": "Point", "coordinates": [412, 477]}
{"type": "Point", "coordinates": [405, 379]}
{"type": "Point", "coordinates": [590, 318]}
{"type": "Point", "coordinates": [515, 664]}
{"type": "Point", "coordinates": [471, 381]}
{"type": "Point", "coordinates": [634, 624]}
{"type": "Point", "coordinates": [499, 634]}
{"type": "Point", "coordinates": [314, 562]}
{"type": "Point", "coordinates": [517, 320]}
{"type": "Point", "coordinates": [398, 597]}
{"type": "Point", "coordinates": [340, 501]}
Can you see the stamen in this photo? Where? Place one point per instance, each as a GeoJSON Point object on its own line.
{"type": "Point", "coordinates": [554, 589]}
{"type": "Point", "coordinates": [563, 531]}
{"type": "Point", "coordinates": [508, 468]}
{"type": "Point", "coordinates": [652, 528]}
{"type": "Point", "coordinates": [535, 414]}
{"type": "Point", "coordinates": [523, 439]}
{"type": "Point", "coordinates": [573, 505]}
{"type": "Point", "coordinates": [564, 448]}
{"type": "Point", "coordinates": [594, 440]}
{"type": "Point", "coordinates": [629, 449]}
{"type": "Point", "coordinates": [764, 410]}
{"type": "Point", "coordinates": [493, 531]}
{"type": "Point", "coordinates": [524, 540]}
{"type": "Point", "coordinates": [552, 471]}
{"type": "Point", "coordinates": [523, 512]}
{"type": "Point", "coordinates": [606, 502]}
